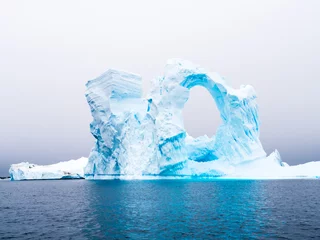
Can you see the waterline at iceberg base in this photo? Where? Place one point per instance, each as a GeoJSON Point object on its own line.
{"type": "Point", "coordinates": [144, 138]}
{"type": "Point", "coordinates": [259, 169]}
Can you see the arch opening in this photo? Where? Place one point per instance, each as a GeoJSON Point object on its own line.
{"type": "Point", "coordinates": [200, 113]}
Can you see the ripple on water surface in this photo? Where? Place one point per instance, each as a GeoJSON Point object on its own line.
{"type": "Point", "coordinates": [162, 209]}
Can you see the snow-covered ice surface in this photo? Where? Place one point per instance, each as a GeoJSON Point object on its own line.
{"type": "Point", "coordinates": [272, 167]}
{"type": "Point", "coordinates": [73, 169]}
{"type": "Point", "coordinates": [139, 137]}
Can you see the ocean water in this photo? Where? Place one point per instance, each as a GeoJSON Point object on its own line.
{"type": "Point", "coordinates": [160, 209]}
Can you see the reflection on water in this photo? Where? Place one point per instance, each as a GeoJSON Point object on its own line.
{"type": "Point", "coordinates": [162, 209]}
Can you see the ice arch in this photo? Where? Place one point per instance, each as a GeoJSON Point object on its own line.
{"type": "Point", "coordinates": [200, 113]}
{"type": "Point", "coordinates": [140, 136]}
{"type": "Point", "coordinates": [237, 138]}
{"type": "Point", "coordinates": [205, 81]}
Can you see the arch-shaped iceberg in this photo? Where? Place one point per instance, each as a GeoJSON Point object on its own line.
{"type": "Point", "coordinates": [138, 136]}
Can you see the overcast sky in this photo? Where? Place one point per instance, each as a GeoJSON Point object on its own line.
{"type": "Point", "coordinates": [49, 49]}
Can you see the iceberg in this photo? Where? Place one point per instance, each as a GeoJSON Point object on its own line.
{"type": "Point", "coordinates": [73, 169]}
{"type": "Point", "coordinates": [144, 136]}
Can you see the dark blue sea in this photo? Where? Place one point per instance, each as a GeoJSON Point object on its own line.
{"type": "Point", "coordinates": [160, 209]}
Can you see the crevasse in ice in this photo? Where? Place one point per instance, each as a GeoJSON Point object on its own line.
{"type": "Point", "coordinates": [137, 136]}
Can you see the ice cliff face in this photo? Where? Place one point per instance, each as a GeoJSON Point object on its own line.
{"type": "Point", "coordinates": [138, 136]}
